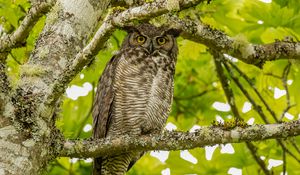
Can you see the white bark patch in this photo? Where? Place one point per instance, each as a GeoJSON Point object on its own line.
{"type": "Point", "coordinates": [62, 62]}
{"type": "Point", "coordinates": [9, 110]}
{"type": "Point", "coordinates": [43, 52]}
{"type": "Point", "coordinates": [173, 5]}
{"type": "Point", "coordinates": [241, 43]}
{"type": "Point", "coordinates": [67, 30]}
{"type": "Point", "coordinates": [200, 29]}
{"type": "Point", "coordinates": [134, 11]}
{"type": "Point", "coordinates": [271, 130]}
{"type": "Point", "coordinates": [80, 9]}
{"type": "Point", "coordinates": [44, 130]}
{"type": "Point", "coordinates": [298, 49]}
{"type": "Point", "coordinates": [10, 147]}
{"type": "Point", "coordinates": [235, 135]}
{"type": "Point", "coordinates": [7, 131]}
{"type": "Point", "coordinates": [29, 143]}
{"type": "Point", "coordinates": [22, 162]}
{"type": "Point", "coordinates": [45, 111]}
{"type": "Point", "coordinates": [247, 50]}
{"type": "Point", "coordinates": [33, 70]}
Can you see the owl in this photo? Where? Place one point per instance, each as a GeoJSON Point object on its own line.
{"type": "Point", "coordinates": [135, 92]}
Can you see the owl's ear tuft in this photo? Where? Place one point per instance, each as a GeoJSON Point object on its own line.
{"type": "Point", "coordinates": [129, 29]}
{"type": "Point", "coordinates": [174, 32]}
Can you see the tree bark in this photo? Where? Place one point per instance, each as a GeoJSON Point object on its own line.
{"type": "Point", "coordinates": [179, 140]}
{"type": "Point", "coordinates": [27, 144]}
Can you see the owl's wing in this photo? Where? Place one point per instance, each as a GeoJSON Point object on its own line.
{"type": "Point", "coordinates": [103, 100]}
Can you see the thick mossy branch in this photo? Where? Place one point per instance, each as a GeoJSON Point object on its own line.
{"type": "Point", "coordinates": [238, 46]}
{"type": "Point", "coordinates": [178, 140]}
{"type": "Point", "coordinates": [8, 42]}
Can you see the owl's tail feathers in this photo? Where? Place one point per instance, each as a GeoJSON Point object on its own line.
{"type": "Point", "coordinates": [97, 166]}
{"type": "Point", "coordinates": [133, 161]}
{"type": "Point", "coordinates": [115, 165]}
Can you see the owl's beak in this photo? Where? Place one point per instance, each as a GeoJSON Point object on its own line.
{"type": "Point", "coordinates": [150, 48]}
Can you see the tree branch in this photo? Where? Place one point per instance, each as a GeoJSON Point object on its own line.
{"type": "Point", "coordinates": [13, 40]}
{"type": "Point", "coordinates": [178, 140]}
{"type": "Point", "coordinates": [261, 163]}
{"type": "Point", "coordinates": [248, 80]}
{"type": "Point", "coordinates": [238, 47]}
{"type": "Point", "coordinates": [218, 58]}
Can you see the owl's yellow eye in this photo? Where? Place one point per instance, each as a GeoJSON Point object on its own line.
{"type": "Point", "coordinates": [161, 40]}
{"type": "Point", "coordinates": [141, 39]}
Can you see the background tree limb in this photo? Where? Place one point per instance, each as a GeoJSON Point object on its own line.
{"type": "Point", "coordinates": [239, 47]}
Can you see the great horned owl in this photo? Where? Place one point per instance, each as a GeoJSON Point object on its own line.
{"type": "Point", "coordinates": [135, 91]}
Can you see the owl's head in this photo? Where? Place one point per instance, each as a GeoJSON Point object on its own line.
{"type": "Point", "coordinates": [151, 38]}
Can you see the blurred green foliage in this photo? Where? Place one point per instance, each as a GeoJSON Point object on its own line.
{"type": "Point", "coordinates": [196, 85]}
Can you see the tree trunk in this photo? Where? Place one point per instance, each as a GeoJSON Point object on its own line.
{"type": "Point", "coordinates": [27, 143]}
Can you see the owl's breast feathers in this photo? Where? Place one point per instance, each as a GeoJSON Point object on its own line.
{"type": "Point", "coordinates": [143, 93]}
{"type": "Point", "coordinates": [138, 92]}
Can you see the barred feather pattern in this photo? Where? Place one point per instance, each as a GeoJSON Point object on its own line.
{"type": "Point", "coordinates": [134, 97]}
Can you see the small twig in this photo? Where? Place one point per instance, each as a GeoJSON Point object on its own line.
{"type": "Point", "coordinates": [260, 162]}
{"type": "Point", "coordinates": [285, 85]}
{"type": "Point", "coordinates": [256, 107]}
{"type": "Point", "coordinates": [88, 114]}
{"type": "Point", "coordinates": [284, 161]}
{"type": "Point", "coordinates": [295, 145]}
{"type": "Point", "coordinates": [219, 58]}
{"type": "Point", "coordinates": [194, 96]}
{"type": "Point", "coordinates": [117, 40]}
{"type": "Point", "coordinates": [285, 74]}
{"type": "Point", "coordinates": [255, 90]}
{"type": "Point", "coordinates": [287, 151]}
{"type": "Point", "coordinates": [70, 169]}
{"type": "Point", "coordinates": [286, 110]}
{"type": "Point", "coordinates": [15, 59]}
{"type": "Point", "coordinates": [272, 75]}
{"type": "Point", "coordinates": [13, 40]}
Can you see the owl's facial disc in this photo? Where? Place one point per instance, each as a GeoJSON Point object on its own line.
{"type": "Point", "coordinates": [161, 42]}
